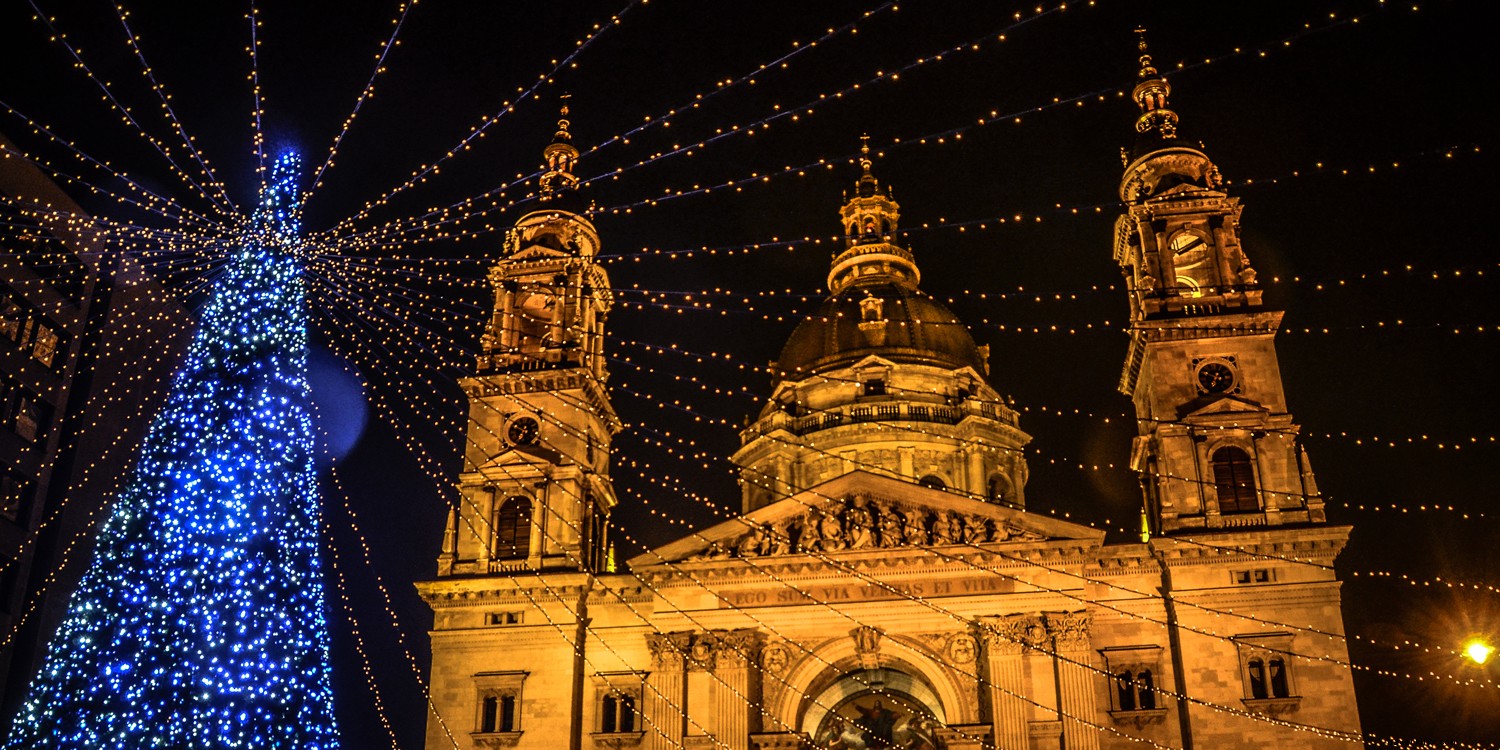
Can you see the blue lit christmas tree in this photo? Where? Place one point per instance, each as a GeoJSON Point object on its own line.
{"type": "Point", "coordinates": [199, 624]}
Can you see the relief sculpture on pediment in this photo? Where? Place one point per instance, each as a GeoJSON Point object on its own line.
{"type": "Point", "coordinates": [860, 523]}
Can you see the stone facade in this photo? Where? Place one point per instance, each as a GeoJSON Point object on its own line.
{"type": "Point", "coordinates": [885, 585]}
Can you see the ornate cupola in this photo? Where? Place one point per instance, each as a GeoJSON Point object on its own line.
{"type": "Point", "coordinates": [559, 158]}
{"type": "Point", "coordinates": [535, 492]}
{"type": "Point", "coordinates": [881, 378]}
{"type": "Point", "coordinates": [870, 254]}
{"type": "Point", "coordinates": [1216, 447]}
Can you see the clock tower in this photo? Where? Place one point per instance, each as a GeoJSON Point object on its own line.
{"type": "Point", "coordinates": [1216, 446]}
{"type": "Point", "coordinates": [535, 492]}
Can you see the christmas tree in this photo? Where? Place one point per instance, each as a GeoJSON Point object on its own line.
{"type": "Point", "coordinates": [199, 623]}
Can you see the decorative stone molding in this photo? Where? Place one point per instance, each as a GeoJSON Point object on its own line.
{"type": "Point", "coordinates": [1069, 630]}
{"type": "Point", "coordinates": [781, 741]}
{"type": "Point", "coordinates": [1273, 707]}
{"type": "Point", "coordinates": [965, 736]}
{"type": "Point", "coordinates": [961, 649]}
{"type": "Point", "coordinates": [495, 739]}
{"type": "Point", "coordinates": [1139, 718]}
{"type": "Point", "coordinates": [668, 650]}
{"type": "Point", "coordinates": [617, 739]}
{"type": "Point", "coordinates": [1011, 634]}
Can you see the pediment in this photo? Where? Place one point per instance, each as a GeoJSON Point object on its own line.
{"type": "Point", "coordinates": [534, 456]}
{"type": "Point", "coordinates": [1221, 405]}
{"type": "Point", "coordinates": [533, 252]}
{"type": "Point", "coordinates": [861, 512]}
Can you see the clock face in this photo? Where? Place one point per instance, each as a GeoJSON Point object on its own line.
{"type": "Point", "coordinates": [1215, 377]}
{"type": "Point", "coordinates": [523, 431]}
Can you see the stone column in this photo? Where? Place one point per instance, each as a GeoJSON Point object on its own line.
{"type": "Point", "coordinates": [666, 693]}
{"type": "Point", "coordinates": [737, 687]}
{"type": "Point", "coordinates": [1075, 681]}
{"type": "Point", "coordinates": [1005, 680]}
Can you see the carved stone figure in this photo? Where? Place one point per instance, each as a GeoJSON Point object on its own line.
{"type": "Point", "coordinates": [941, 530]}
{"type": "Point", "coordinates": [810, 538]}
{"type": "Point", "coordinates": [832, 530]}
{"type": "Point", "coordinates": [961, 649]}
{"type": "Point", "coordinates": [916, 526]}
{"type": "Point", "coordinates": [975, 530]}
{"type": "Point", "coordinates": [752, 544]}
{"type": "Point", "coordinates": [955, 527]}
{"type": "Point", "coordinates": [861, 525]}
{"type": "Point", "coordinates": [774, 659]}
{"type": "Point", "coordinates": [890, 528]}
{"type": "Point", "coordinates": [780, 541]}
{"type": "Point", "coordinates": [866, 639]}
{"type": "Point", "coordinates": [1001, 533]}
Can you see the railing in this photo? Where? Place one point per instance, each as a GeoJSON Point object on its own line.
{"type": "Point", "coordinates": [898, 412]}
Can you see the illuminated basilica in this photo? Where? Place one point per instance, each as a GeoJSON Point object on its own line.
{"type": "Point", "coordinates": [885, 585]}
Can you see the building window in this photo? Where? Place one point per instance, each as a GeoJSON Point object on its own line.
{"type": "Point", "coordinates": [1248, 577]}
{"type": "Point", "coordinates": [999, 489]}
{"type": "Point", "coordinates": [1133, 673]}
{"type": "Point", "coordinates": [932, 482]}
{"type": "Point", "coordinates": [618, 714]}
{"type": "Point", "coordinates": [1234, 478]}
{"type": "Point", "coordinates": [617, 698]}
{"type": "Point", "coordinates": [43, 344]}
{"type": "Point", "coordinates": [512, 529]}
{"type": "Point", "coordinates": [7, 582]}
{"type": "Point", "coordinates": [499, 702]}
{"type": "Point", "coordinates": [1266, 670]}
{"type": "Point", "coordinates": [15, 497]}
{"type": "Point", "coordinates": [875, 387]}
{"type": "Point", "coordinates": [503, 618]}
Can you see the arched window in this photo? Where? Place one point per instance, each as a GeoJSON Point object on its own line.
{"type": "Point", "coordinates": [1279, 687]}
{"type": "Point", "coordinates": [1125, 686]}
{"type": "Point", "coordinates": [999, 489]}
{"type": "Point", "coordinates": [1235, 479]}
{"type": "Point", "coordinates": [513, 529]}
{"type": "Point", "coordinates": [1146, 689]}
{"type": "Point", "coordinates": [1257, 670]}
{"type": "Point", "coordinates": [932, 482]}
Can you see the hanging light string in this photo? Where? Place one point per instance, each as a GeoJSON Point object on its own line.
{"type": "Point", "coordinates": [258, 108]}
{"type": "Point", "coordinates": [387, 604]}
{"type": "Point", "coordinates": [365, 94]}
{"type": "Point", "coordinates": [379, 237]}
{"type": "Point", "coordinates": [795, 114]}
{"type": "Point", "coordinates": [730, 84]}
{"type": "Point", "coordinates": [665, 119]}
{"type": "Point", "coordinates": [133, 39]}
{"type": "Point", "coordinates": [876, 468]}
{"type": "Point", "coordinates": [126, 117]}
{"type": "Point", "coordinates": [148, 199]}
{"type": "Point", "coordinates": [938, 138]}
{"type": "Point", "coordinates": [376, 698]}
{"type": "Point", "coordinates": [423, 172]}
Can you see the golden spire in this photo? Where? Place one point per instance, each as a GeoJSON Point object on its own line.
{"type": "Point", "coordinates": [1150, 94]}
{"type": "Point", "coordinates": [559, 156]}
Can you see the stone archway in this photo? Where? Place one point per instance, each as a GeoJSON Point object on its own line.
{"type": "Point", "coordinates": [811, 683]}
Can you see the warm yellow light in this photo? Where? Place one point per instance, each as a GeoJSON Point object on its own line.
{"type": "Point", "coordinates": [1478, 650]}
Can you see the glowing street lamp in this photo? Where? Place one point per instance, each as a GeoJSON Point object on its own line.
{"type": "Point", "coordinates": [1478, 650]}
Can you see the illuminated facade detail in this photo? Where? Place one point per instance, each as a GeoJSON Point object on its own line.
{"type": "Point", "coordinates": [885, 585]}
{"type": "Point", "coordinates": [200, 621]}
{"type": "Point", "coordinates": [882, 378]}
{"type": "Point", "coordinates": [1217, 446]}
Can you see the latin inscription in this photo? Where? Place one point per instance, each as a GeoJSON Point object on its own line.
{"type": "Point", "coordinates": [856, 592]}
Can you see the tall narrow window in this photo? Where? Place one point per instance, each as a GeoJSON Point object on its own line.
{"type": "Point", "coordinates": [1257, 671]}
{"type": "Point", "coordinates": [489, 714]}
{"type": "Point", "coordinates": [1277, 668]}
{"type": "Point", "coordinates": [1146, 689]}
{"type": "Point", "coordinates": [610, 714]}
{"type": "Point", "coordinates": [1125, 686]}
{"type": "Point", "coordinates": [1235, 480]}
{"type": "Point", "coordinates": [513, 529]}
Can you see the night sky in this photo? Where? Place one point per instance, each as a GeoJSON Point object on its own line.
{"type": "Point", "coordinates": [1387, 272]}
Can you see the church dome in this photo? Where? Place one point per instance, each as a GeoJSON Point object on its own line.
{"type": "Point", "coordinates": [893, 321]}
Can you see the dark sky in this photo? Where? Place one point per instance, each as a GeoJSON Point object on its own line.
{"type": "Point", "coordinates": [1291, 86]}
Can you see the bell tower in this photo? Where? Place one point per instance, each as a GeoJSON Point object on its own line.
{"type": "Point", "coordinates": [535, 490]}
{"type": "Point", "coordinates": [1216, 446]}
